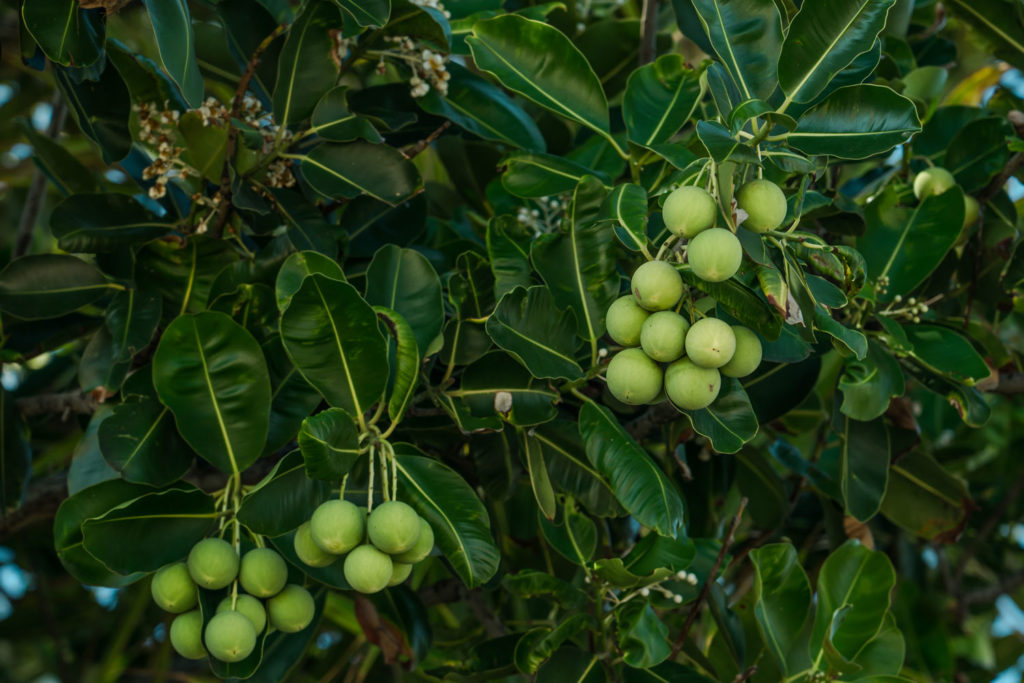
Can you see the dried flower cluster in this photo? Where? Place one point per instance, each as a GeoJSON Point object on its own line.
{"type": "Point", "coordinates": [157, 127]}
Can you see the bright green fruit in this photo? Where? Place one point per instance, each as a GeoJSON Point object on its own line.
{"type": "Point", "coordinates": [308, 551]}
{"type": "Point", "coordinates": [399, 572]}
{"type": "Point", "coordinates": [747, 357]}
{"type": "Point", "coordinates": [633, 378]}
{"type": "Point", "coordinates": [764, 203]}
{"type": "Point", "coordinates": [663, 335]}
{"type": "Point", "coordinates": [710, 343]}
{"type": "Point", "coordinates": [292, 609]}
{"type": "Point", "coordinates": [173, 588]}
{"type": "Point", "coordinates": [249, 607]}
{"type": "Point", "coordinates": [424, 544]}
{"type": "Point", "coordinates": [715, 255]}
{"type": "Point", "coordinates": [187, 635]}
{"type": "Point", "coordinates": [971, 210]}
{"type": "Point", "coordinates": [624, 320]}
{"type": "Point", "coordinates": [931, 181]}
{"type": "Point", "coordinates": [688, 210]}
{"type": "Point", "coordinates": [393, 527]}
{"type": "Point", "coordinates": [230, 636]}
{"type": "Point", "coordinates": [337, 526]}
{"type": "Point", "coordinates": [690, 386]}
{"type": "Point", "coordinates": [657, 285]}
{"type": "Point", "coordinates": [367, 569]}
{"type": "Point", "coordinates": [263, 572]}
{"type": "Point", "coordinates": [213, 563]}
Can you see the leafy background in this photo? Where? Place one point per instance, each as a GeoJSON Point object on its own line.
{"type": "Point", "coordinates": [350, 250]}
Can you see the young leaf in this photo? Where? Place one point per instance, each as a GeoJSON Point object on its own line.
{"type": "Point", "coordinates": [660, 98]}
{"type": "Point", "coordinates": [346, 171]}
{"type": "Point", "coordinates": [406, 364]}
{"type": "Point", "coordinates": [783, 604]}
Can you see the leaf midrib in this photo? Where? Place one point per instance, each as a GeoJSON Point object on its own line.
{"type": "Point", "coordinates": [213, 401]}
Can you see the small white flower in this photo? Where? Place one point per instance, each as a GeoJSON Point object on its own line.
{"type": "Point", "coordinates": [645, 592]}
{"type": "Point", "coordinates": [678, 599]}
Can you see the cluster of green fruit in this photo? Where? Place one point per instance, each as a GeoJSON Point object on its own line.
{"type": "Point", "coordinates": [379, 550]}
{"type": "Point", "coordinates": [240, 618]}
{"type": "Point", "coordinates": [936, 180]}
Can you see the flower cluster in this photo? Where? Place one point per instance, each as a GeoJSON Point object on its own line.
{"type": "Point", "coordinates": [433, 4]}
{"type": "Point", "coordinates": [913, 310]}
{"type": "Point", "coordinates": [157, 128]}
{"type": "Point", "coordinates": [546, 217]}
{"type": "Point", "coordinates": [279, 174]}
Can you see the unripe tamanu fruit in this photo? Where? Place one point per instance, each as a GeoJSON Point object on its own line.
{"type": "Point", "coordinates": [393, 527]}
{"type": "Point", "coordinates": [424, 544]}
{"type": "Point", "coordinates": [213, 563]}
{"type": "Point", "coordinates": [715, 255]}
{"type": "Point", "coordinates": [173, 589]}
{"type": "Point", "coordinates": [690, 386]}
{"type": "Point", "coordinates": [263, 572]}
{"type": "Point", "coordinates": [764, 203]}
{"type": "Point", "coordinates": [710, 343]}
{"type": "Point", "coordinates": [247, 606]}
{"type": "Point", "coordinates": [624, 319]}
{"type": "Point", "coordinates": [230, 636]}
{"type": "Point", "coordinates": [291, 610]}
{"type": "Point", "coordinates": [367, 569]}
{"type": "Point", "coordinates": [688, 210]}
{"type": "Point", "coordinates": [657, 285]}
{"type": "Point", "coordinates": [633, 377]}
{"type": "Point", "coordinates": [934, 180]}
{"type": "Point", "coordinates": [663, 336]}
{"type": "Point", "coordinates": [747, 356]}
{"type": "Point", "coordinates": [308, 551]}
{"type": "Point", "coordinates": [337, 526]}
{"type": "Point", "coordinates": [187, 635]}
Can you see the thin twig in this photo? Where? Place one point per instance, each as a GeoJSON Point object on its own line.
{"type": "Point", "coordinates": [648, 32]}
{"type": "Point", "coordinates": [712, 575]}
{"type": "Point", "coordinates": [65, 403]}
{"type": "Point", "coordinates": [744, 675]}
{"type": "Point", "coordinates": [224, 192]}
{"type": "Point", "coordinates": [426, 142]}
{"type": "Point", "coordinates": [37, 190]}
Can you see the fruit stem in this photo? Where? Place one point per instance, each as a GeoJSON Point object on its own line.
{"type": "Point", "coordinates": [369, 486]}
{"type": "Point", "coordinates": [344, 483]}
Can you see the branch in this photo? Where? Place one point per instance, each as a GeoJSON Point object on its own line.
{"type": "Point", "coordinates": [648, 32]}
{"type": "Point", "coordinates": [64, 404]}
{"type": "Point", "coordinates": [37, 190]}
{"type": "Point", "coordinates": [1006, 383]}
{"type": "Point", "coordinates": [41, 503]}
{"type": "Point", "coordinates": [1013, 164]}
{"type": "Point", "coordinates": [712, 575]}
{"type": "Point", "coordinates": [224, 209]}
{"type": "Point", "coordinates": [426, 142]}
{"type": "Point", "coordinates": [989, 593]}
{"type": "Point", "coordinates": [656, 417]}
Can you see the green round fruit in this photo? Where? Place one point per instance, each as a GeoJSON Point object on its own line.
{"type": "Point", "coordinates": [399, 572]}
{"type": "Point", "coordinates": [633, 377]}
{"type": "Point", "coordinates": [747, 356]}
{"type": "Point", "coordinates": [690, 386]}
{"type": "Point", "coordinates": [367, 569]}
{"type": "Point", "coordinates": [337, 526]}
{"type": "Point", "coordinates": [173, 589]}
{"type": "Point", "coordinates": [213, 563]}
{"type": "Point", "coordinates": [689, 210]}
{"type": "Point", "coordinates": [624, 320]}
{"type": "Point", "coordinates": [263, 572]}
{"type": "Point", "coordinates": [663, 336]}
{"type": "Point", "coordinates": [308, 551]}
{"type": "Point", "coordinates": [249, 607]}
{"type": "Point", "coordinates": [424, 544]}
{"type": "Point", "coordinates": [710, 343]}
{"type": "Point", "coordinates": [187, 635]}
{"type": "Point", "coordinates": [764, 203]}
{"type": "Point", "coordinates": [715, 255]}
{"type": "Point", "coordinates": [393, 527]}
{"type": "Point", "coordinates": [230, 636]}
{"type": "Point", "coordinates": [657, 285]}
{"type": "Point", "coordinates": [931, 181]}
{"type": "Point", "coordinates": [291, 610]}
{"type": "Point", "coordinates": [971, 210]}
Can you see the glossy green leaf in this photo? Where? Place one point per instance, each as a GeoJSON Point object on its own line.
{"type": "Point", "coordinates": [132, 319]}
{"type": "Point", "coordinates": [508, 246]}
{"type": "Point", "coordinates": [860, 581]}
{"type": "Point", "coordinates": [101, 108]}
{"type": "Point", "coordinates": [994, 19]}
{"type": "Point", "coordinates": [823, 39]}
{"type": "Point", "coordinates": [540, 482]}
{"type": "Point", "coordinates": [291, 396]}
{"type": "Point", "coordinates": [49, 286]}
{"type": "Point", "coordinates": [59, 165]}
{"type": "Point", "coordinates": [533, 174]}
{"type": "Point", "coordinates": [571, 664]}
{"type": "Point", "coordinates": [344, 171]}
{"type": "Point", "coordinates": [414, 20]}
{"type": "Point", "coordinates": [146, 80]}
{"type": "Point", "coordinates": [406, 364]}
{"type": "Point", "coordinates": [66, 34]}
{"type": "Point", "coordinates": [176, 41]}
{"type": "Point", "coordinates": [15, 453]}
{"type": "Point", "coordinates": [741, 303]}
{"type": "Point", "coordinates": [856, 122]}
{"type": "Point", "coordinates": [907, 244]}
{"type": "Point", "coordinates": [864, 464]}
{"type": "Point", "coordinates": [722, 147]}
{"type": "Point", "coordinates": [730, 421]}
{"type": "Point", "coordinates": [331, 335]}
{"type": "Point", "coordinates": [539, 62]}
{"type": "Point", "coordinates": [569, 469]}
{"type": "Point", "coordinates": [627, 207]}
{"type": "Point", "coordinates": [853, 341]}
{"type": "Point", "coordinates": [869, 384]}
{"type": "Point", "coordinates": [150, 531]}
{"type": "Point", "coordinates": [578, 266]}
{"type": "Point", "coordinates": [332, 119]}
{"type": "Point", "coordinates": [100, 366]}
{"type": "Point", "coordinates": [572, 535]}
{"type": "Point", "coordinates": [404, 281]}
{"type": "Point", "coordinates": [184, 273]}
{"type": "Point", "coordinates": [295, 270]}
{"type": "Point", "coordinates": [947, 352]}
{"type": "Point", "coordinates": [205, 145]}
{"type": "Point", "coordinates": [306, 70]}
{"type": "Point", "coordinates": [747, 37]}
{"type": "Point", "coordinates": [639, 484]}
{"type": "Point", "coordinates": [924, 498]}
{"type": "Point", "coordinates": [783, 604]}
{"type": "Point", "coordinates": [528, 324]}
{"type": "Point", "coordinates": [484, 110]}
{"type": "Point", "coordinates": [660, 98]}
{"type": "Point", "coordinates": [103, 222]}
{"type": "Point", "coordinates": [459, 520]}
{"type": "Point", "coordinates": [329, 442]}
{"type": "Point", "coordinates": [978, 152]}
{"type": "Point", "coordinates": [283, 499]}
{"type": "Point", "coordinates": [212, 375]}
{"type": "Point", "coordinates": [140, 441]}
{"type": "Point", "coordinates": [367, 12]}
{"type": "Point", "coordinates": [642, 636]}
{"type": "Point", "coordinates": [497, 385]}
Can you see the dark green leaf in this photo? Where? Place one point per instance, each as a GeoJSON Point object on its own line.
{"type": "Point", "coordinates": [291, 396]}
{"type": "Point", "coordinates": [212, 375]}
{"type": "Point", "coordinates": [332, 119]}
{"type": "Point", "coordinates": [295, 270]}
{"type": "Point", "coordinates": [864, 464]}
{"type": "Point", "coordinates": [367, 12]}
{"type": "Point", "coordinates": [284, 499]}
{"type": "Point", "coordinates": [66, 34]}
{"type": "Point", "coordinates": [540, 482]}
{"type": "Point", "coordinates": [869, 384]}
{"type": "Point", "coordinates": [329, 442]}
{"type": "Point", "coordinates": [994, 19]}
{"type": "Point", "coordinates": [176, 42]}
{"type": "Point", "coordinates": [573, 535]}
{"type": "Point", "coordinates": [978, 152]}
{"type": "Point", "coordinates": [570, 471]}
{"type": "Point", "coordinates": [533, 174]}
{"type": "Point", "coordinates": [508, 245]}
{"type": "Point", "coordinates": [741, 303]}
{"type": "Point", "coordinates": [59, 165]}
{"type": "Point", "coordinates": [346, 171]}
{"type": "Point", "coordinates": [627, 206]}
{"type": "Point", "coordinates": [722, 147]}
{"type": "Point", "coordinates": [104, 222]}
{"type": "Point", "coordinates": [529, 401]}
{"type": "Point", "coordinates": [853, 341]}
{"type": "Point", "coordinates": [140, 441]}
{"type": "Point", "coordinates": [947, 352]}
{"type": "Point", "coordinates": [306, 70]}
{"type": "Point", "coordinates": [924, 498]}
{"type": "Point", "coordinates": [404, 281]}
{"type": "Point", "coordinates": [642, 636]}
{"type": "Point", "coordinates": [101, 109]}
{"type": "Point", "coordinates": [528, 324]}
{"type": "Point", "coordinates": [49, 286]}
{"type": "Point", "coordinates": [729, 422]}
{"type": "Point", "coordinates": [783, 604]}
{"type": "Point", "coordinates": [747, 36]}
